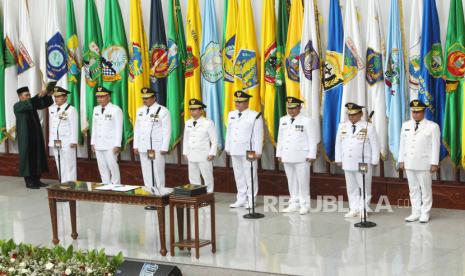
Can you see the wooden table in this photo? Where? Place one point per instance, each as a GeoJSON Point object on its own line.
{"type": "Point", "coordinates": [85, 191]}
{"type": "Point", "coordinates": [194, 202]}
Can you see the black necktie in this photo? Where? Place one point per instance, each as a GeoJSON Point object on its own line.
{"type": "Point", "coordinates": [353, 128]}
{"type": "Point", "coordinates": [195, 122]}
{"type": "Point", "coordinates": [58, 109]}
{"type": "Point", "coordinates": [148, 109]}
{"type": "Point", "coordinates": [240, 114]}
{"type": "Point", "coordinates": [416, 125]}
{"type": "Point", "coordinates": [103, 109]}
{"type": "Point", "coordinates": [292, 120]}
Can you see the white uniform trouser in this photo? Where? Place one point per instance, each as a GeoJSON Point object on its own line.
{"type": "Point", "coordinates": [298, 180]}
{"type": "Point", "coordinates": [205, 169]}
{"type": "Point", "coordinates": [419, 184]}
{"type": "Point", "coordinates": [107, 162]}
{"type": "Point", "coordinates": [158, 169]}
{"type": "Point", "coordinates": [67, 163]}
{"type": "Point", "coordinates": [354, 185]}
{"type": "Point", "coordinates": [241, 169]}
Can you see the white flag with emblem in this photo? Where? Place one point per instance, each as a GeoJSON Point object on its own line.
{"type": "Point", "coordinates": [416, 18]}
{"type": "Point", "coordinates": [309, 70]}
{"type": "Point", "coordinates": [28, 71]}
{"type": "Point", "coordinates": [354, 60]}
{"type": "Point", "coordinates": [53, 61]}
{"type": "Point", "coordinates": [376, 99]}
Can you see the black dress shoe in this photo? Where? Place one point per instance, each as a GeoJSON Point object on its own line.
{"type": "Point", "coordinates": [32, 186]}
{"type": "Point", "coordinates": [42, 184]}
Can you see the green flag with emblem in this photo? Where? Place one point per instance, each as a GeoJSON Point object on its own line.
{"type": "Point", "coordinates": [74, 66]}
{"type": "Point", "coordinates": [454, 74]}
{"type": "Point", "coordinates": [175, 79]}
{"type": "Point", "coordinates": [114, 63]}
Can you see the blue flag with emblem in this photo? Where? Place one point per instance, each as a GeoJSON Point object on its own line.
{"type": "Point", "coordinates": [333, 79]}
{"type": "Point", "coordinates": [394, 76]}
{"type": "Point", "coordinates": [432, 85]}
{"type": "Point", "coordinates": [211, 68]}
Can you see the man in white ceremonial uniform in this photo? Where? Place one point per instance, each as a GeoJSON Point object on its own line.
{"type": "Point", "coordinates": [152, 134]}
{"type": "Point", "coordinates": [244, 133]}
{"type": "Point", "coordinates": [107, 132]}
{"type": "Point", "coordinates": [200, 145]}
{"type": "Point", "coordinates": [353, 136]}
{"type": "Point", "coordinates": [63, 134]}
{"type": "Point", "coordinates": [296, 149]}
{"type": "Point", "coordinates": [420, 142]}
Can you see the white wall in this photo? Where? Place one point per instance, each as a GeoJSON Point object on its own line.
{"type": "Point", "coordinates": [37, 11]}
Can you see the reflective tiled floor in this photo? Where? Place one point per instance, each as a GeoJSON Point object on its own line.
{"type": "Point", "coordinates": [314, 244]}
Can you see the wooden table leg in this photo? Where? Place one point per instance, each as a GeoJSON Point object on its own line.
{"type": "Point", "coordinates": [52, 203]}
{"type": "Point", "coordinates": [212, 224]}
{"type": "Point", "coordinates": [171, 230]}
{"type": "Point", "coordinates": [72, 210]}
{"type": "Point", "coordinates": [180, 216]}
{"type": "Point", "coordinates": [188, 218]}
{"type": "Point", "coordinates": [161, 229]}
{"type": "Point", "coordinates": [196, 230]}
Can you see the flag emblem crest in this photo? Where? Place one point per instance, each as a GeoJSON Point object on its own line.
{"type": "Point", "coordinates": [456, 61]}
{"type": "Point", "coordinates": [393, 70]}
{"type": "Point", "coordinates": [374, 72]}
{"type": "Point", "coordinates": [229, 59]}
{"type": "Point", "coordinates": [310, 60]}
{"type": "Point", "coordinates": [11, 57]}
{"type": "Point", "coordinates": [245, 68]}
{"type": "Point", "coordinates": [292, 63]}
{"type": "Point", "coordinates": [135, 63]}
{"type": "Point", "coordinates": [24, 59]}
{"type": "Point", "coordinates": [158, 62]}
{"type": "Point", "coordinates": [414, 71]}
{"type": "Point", "coordinates": [56, 61]}
{"type": "Point", "coordinates": [427, 97]}
{"type": "Point", "coordinates": [271, 64]}
{"type": "Point", "coordinates": [92, 66]}
{"type": "Point", "coordinates": [172, 56]}
{"type": "Point", "coordinates": [211, 63]}
{"type": "Point", "coordinates": [352, 61]}
{"type": "Point", "coordinates": [114, 60]}
{"type": "Point", "coordinates": [192, 62]}
{"type": "Point", "coordinates": [73, 65]}
{"type": "Point", "coordinates": [433, 61]}
{"type": "Point", "coordinates": [333, 74]}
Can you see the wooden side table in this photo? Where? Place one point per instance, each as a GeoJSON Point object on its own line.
{"type": "Point", "coordinates": [195, 202]}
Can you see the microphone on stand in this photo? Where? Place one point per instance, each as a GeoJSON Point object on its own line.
{"type": "Point", "coordinates": [363, 169]}
{"type": "Point", "coordinates": [250, 156]}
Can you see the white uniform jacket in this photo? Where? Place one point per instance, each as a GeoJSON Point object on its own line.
{"type": "Point", "coordinates": [107, 127]}
{"type": "Point", "coordinates": [419, 149]}
{"type": "Point", "coordinates": [241, 129]}
{"type": "Point", "coordinates": [200, 140]}
{"type": "Point", "coordinates": [297, 140]}
{"type": "Point", "coordinates": [63, 125]}
{"type": "Point", "coordinates": [155, 119]}
{"type": "Point", "coordinates": [349, 145]}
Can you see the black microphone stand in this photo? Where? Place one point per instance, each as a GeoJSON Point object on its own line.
{"type": "Point", "coordinates": [252, 215]}
{"type": "Point", "coordinates": [363, 168]}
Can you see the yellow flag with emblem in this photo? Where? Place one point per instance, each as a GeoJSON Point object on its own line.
{"type": "Point", "coordinates": [192, 73]}
{"type": "Point", "coordinates": [246, 56]}
{"type": "Point", "coordinates": [229, 40]}
{"type": "Point", "coordinates": [138, 59]}
{"type": "Point", "coordinates": [269, 64]}
{"type": "Point", "coordinates": [292, 54]}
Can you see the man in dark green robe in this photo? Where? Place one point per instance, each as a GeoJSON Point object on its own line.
{"type": "Point", "coordinates": [29, 135]}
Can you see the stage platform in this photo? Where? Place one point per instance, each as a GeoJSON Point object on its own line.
{"type": "Point", "coordinates": [319, 243]}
